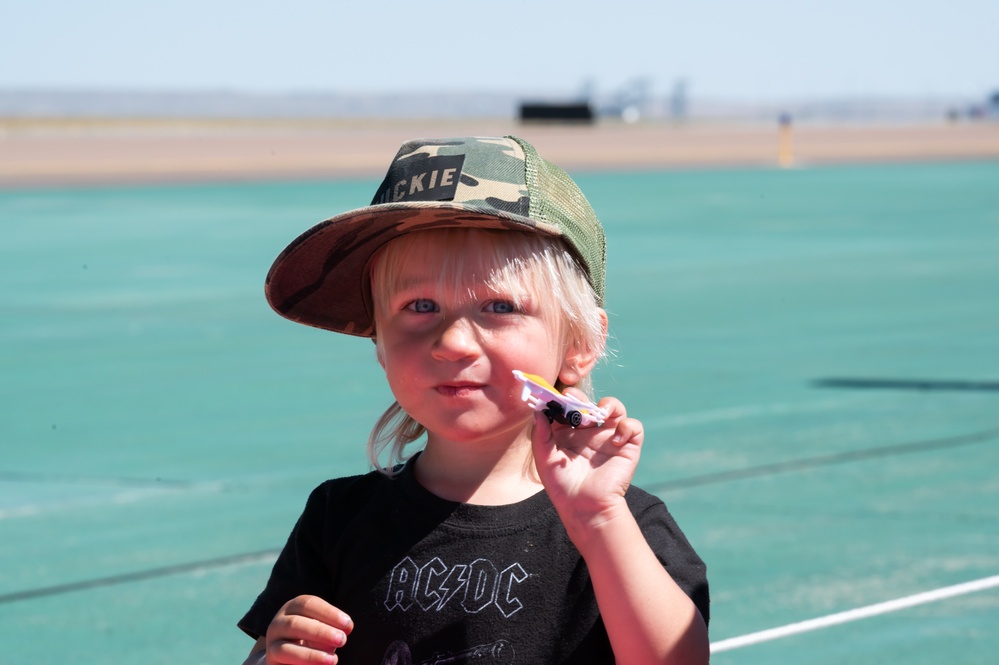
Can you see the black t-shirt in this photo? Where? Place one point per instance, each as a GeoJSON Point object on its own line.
{"type": "Point", "coordinates": [433, 581]}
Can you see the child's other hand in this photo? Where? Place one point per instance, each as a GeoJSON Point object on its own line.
{"type": "Point", "coordinates": [307, 630]}
{"type": "Point", "coordinates": [587, 470]}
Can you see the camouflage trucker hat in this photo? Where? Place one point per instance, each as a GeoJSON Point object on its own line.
{"type": "Point", "coordinates": [321, 279]}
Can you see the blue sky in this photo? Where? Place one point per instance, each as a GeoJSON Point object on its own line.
{"type": "Point", "coordinates": [751, 50]}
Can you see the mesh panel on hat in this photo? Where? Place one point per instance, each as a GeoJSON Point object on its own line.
{"type": "Point", "coordinates": [555, 198]}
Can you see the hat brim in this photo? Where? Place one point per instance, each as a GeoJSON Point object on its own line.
{"type": "Point", "coordinates": [321, 279]}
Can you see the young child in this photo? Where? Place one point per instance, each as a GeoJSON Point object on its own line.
{"type": "Point", "coordinates": [508, 538]}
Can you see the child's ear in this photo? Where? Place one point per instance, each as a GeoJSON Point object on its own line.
{"type": "Point", "coordinates": [579, 361]}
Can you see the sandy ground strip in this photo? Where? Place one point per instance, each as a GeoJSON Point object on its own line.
{"type": "Point", "coordinates": [52, 152]}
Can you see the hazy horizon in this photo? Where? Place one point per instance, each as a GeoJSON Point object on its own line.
{"type": "Point", "coordinates": [680, 104]}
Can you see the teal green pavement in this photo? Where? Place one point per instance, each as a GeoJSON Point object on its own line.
{"type": "Point", "coordinates": [814, 354]}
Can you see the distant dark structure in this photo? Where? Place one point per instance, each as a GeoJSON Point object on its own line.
{"type": "Point", "coordinates": [572, 112]}
{"type": "Point", "coordinates": [987, 110]}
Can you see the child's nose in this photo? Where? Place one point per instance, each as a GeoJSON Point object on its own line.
{"type": "Point", "coordinates": [457, 340]}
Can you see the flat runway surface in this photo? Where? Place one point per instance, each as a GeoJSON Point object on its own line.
{"type": "Point", "coordinates": [814, 353]}
{"type": "Point", "coordinates": [49, 152]}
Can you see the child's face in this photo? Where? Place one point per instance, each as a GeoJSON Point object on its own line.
{"type": "Point", "coordinates": [449, 359]}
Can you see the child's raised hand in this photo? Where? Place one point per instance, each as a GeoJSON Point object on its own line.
{"type": "Point", "coordinates": [587, 470]}
{"type": "Point", "coordinates": [307, 630]}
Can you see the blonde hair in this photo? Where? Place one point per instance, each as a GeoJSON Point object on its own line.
{"type": "Point", "coordinates": [525, 265]}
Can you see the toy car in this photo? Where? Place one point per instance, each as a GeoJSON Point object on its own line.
{"type": "Point", "coordinates": [542, 396]}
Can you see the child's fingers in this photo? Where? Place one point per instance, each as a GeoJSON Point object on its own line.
{"type": "Point", "coordinates": [614, 408]}
{"type": "Point", "coordinates": [307, 630]}
{"type": "Point", "coordinates": [290, 652]}
{"type": "Point", "coordinates": [628, 430]}
{"type": "Point", "coordinates": [304, 631]}
{"type": "Point", "coordinates": [302, 651]}
{"type": "Point", "coordinates": [316, 608]}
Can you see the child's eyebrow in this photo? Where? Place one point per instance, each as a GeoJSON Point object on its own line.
{"type": "Point", "coordinates": [473, 289]}
{"type": "Point", "coordinates": [409, 283]}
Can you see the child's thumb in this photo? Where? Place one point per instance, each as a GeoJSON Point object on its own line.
{"type": "Point", "coordinates": [541, 436]}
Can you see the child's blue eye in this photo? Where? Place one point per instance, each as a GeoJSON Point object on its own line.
{"type": "Point", "coordinates": [502, 307]}
{"type": "Point", "coordinates": [422, 306]}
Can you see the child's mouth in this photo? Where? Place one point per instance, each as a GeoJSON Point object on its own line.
{"type": "Point", "coordinates": [459, 390]}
